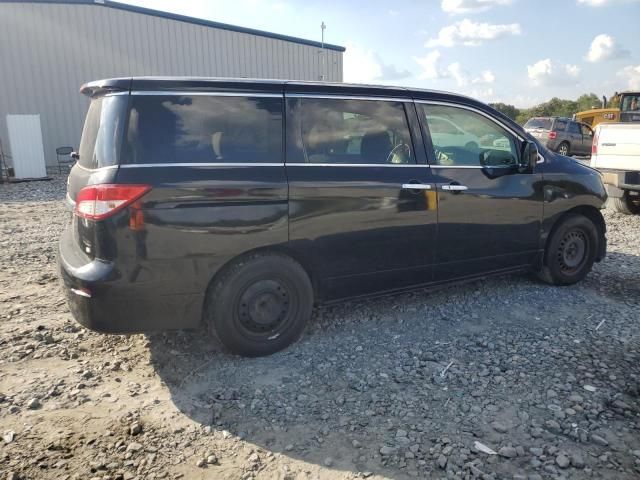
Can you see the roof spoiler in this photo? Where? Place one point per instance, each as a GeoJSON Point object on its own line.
{"type": "Point", "coordinates": [102, 87]}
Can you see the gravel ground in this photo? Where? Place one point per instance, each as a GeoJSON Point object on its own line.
{"type": "Point", "coordinates": [500, 378]}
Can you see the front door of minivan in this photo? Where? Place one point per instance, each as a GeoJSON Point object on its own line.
{"type": "Point", "coordinates": [489, 214]}
{"type": "Point", "coordinates": [362, 206]}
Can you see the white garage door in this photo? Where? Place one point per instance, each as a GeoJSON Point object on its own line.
{"type": "Point", "coordinates": [25, 139]}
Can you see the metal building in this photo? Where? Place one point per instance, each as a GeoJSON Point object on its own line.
{"type": "Point", "coordinates": [49, 48]}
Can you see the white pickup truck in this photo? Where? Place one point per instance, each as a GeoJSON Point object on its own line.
{"type": "Point", "coordinates": [616, 154]}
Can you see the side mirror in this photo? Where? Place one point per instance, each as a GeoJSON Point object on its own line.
{"type": "Point", "coordinates": [529, 157]}
{"type": "Point", "coordinates": [75, 156]}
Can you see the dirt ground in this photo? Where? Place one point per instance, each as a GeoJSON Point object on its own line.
{"type": "Point", "coordinates": [500, 378]}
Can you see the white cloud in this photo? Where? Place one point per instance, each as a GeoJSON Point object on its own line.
{"type": "Point", "coordinates": [594, 3]}
{"type": "Point", "coordinates": [455, 71]}
{"type": "Point", "coordinates": [391, 72]}
{"type": "Point", "coordinates": [548, 72]}
{"type": "Point", "coordinates": [632, 75]}
{"type": "Point", "coordinates": [467, 32]}
{"type": "Point", "coordinates": [604, 3]}
{"type": "Point", "coordinates": [429, 64]}
{"type": "Point", "coordinates": [486, 95]}
{"type": "Point", "coordinates": [364, 66]}
{"type": "Point", "coordinates": [470, 6]}
{"type": "Point", "coordinates": [486, 76]}
{"type": "Point", "coordinates": [432, 70]}
{"type": "Point", "coordinates": [360, 65]}
{"type": "Point", "coordinates": [603, 47]}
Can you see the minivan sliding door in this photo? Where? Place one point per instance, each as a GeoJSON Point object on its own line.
{"type": "Point", "coordinates": [362, 209]}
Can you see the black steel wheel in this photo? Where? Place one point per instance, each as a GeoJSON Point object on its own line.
{"type": "Point", "coordinates": [571, 251]}
{"type": "Point", "coordinates": [259, 305]}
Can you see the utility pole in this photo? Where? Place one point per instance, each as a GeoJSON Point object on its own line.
{"type": "Point", "coordinates": [322, 73]}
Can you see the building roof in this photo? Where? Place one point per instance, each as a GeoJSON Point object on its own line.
{"type": "Point", "coordinates": [184, 18]}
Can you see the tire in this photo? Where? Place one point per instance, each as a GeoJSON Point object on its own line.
{"type": "Point", "coordinates": [564, 149]}
{"type": "Point", "coordinates": [570, 252]}
{"type": "Point", "coordinates": [259, 305]}
{"type": "Point", "coordinates": [626, 204]}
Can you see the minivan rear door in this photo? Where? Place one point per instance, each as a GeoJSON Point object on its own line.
{"type": "Point", "coordinates": [98, 158]}
{"type": "Point", "coordinates": [362, 205]}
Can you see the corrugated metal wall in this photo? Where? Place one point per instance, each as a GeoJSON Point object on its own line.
{"type": "Point", "coordinates": [48, 50]}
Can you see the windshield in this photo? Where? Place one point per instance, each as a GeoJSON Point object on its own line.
{"type": "Point", "coordinates": [544, 123]}
{"type": "Point", "coordinates": [630, 103]}
{"type": "Point", "coordinates": [102, 132]}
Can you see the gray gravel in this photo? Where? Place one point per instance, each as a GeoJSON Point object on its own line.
{"type": "Point", "coordinates": [544, 379]}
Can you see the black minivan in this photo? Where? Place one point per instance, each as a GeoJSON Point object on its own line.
{"type": "Point", "coordinates": [242, 203]}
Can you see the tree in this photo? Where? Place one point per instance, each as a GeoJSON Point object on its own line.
{"type": "Point", "coordinates": [557, 107]}
{"type": "Point", "coordinates": [588, 102]}
{"type": "Point", "coordinates": [506, 109]}
{"type": "Point", "coordinates": [614, 101]}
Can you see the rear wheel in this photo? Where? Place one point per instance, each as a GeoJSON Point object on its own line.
{"type": "Point", "coordinates": [627, 204]}
{"type": "Point", "coordinates": [571, 251]}
{"type": "Point", "coordinates": [563, 148]}
{"type": "Point", "coordinates": [259, 305]}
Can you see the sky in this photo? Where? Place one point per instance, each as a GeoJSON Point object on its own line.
{"type": "Point", "coordinates": [521, 52]}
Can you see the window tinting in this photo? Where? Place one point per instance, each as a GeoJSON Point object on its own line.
{"type": "Point", "coordinates": [204, 129]}
{"type": "Point", "coordinates": [574, 128]}
{"type": "Point", "coordinates": [355, 131]}
{"type": "Point", "coordinates": [102, 132]}
{"type": "Point", "coordinates": [560, 125]}
{"type": "Point", "coordinates": [630, 103]}
{"type": "Point", "coordinates": [543, 123]}
{"type": "Point", "coordinates": [470, 139]}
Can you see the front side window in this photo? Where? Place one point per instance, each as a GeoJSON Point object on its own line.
{"type": "Point", "coordinates": [341, 131]}
{"type": "Point", "coordinates": [630, 103]}
{"type": "Point", "coordinates": [204, 129]}
{"type": "Point", "coordinates": [477, 141]}
{"type": "Point", "coordinates": [586, 130]}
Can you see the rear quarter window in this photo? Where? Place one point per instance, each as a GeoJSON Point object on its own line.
{"type": "Point", "coordinates": [102, 133]}
{"type": "Point", "coordinates": [204, 129]}
{"type": "Point", "coordinates": [560, 125]}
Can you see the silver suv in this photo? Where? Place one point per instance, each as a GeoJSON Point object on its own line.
{"type": "Point", "coordinates": [561, 135]}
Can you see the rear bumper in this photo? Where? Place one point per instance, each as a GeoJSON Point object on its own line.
{"type": "Point", "coordinates": [102, 299]}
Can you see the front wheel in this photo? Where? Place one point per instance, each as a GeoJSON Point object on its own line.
{"type": "Point", "coordinates": [627, 204]}
{"type": "Point", "coordinates": [259, 305]}
{"type": "Point", "coordinates": [570, 252]}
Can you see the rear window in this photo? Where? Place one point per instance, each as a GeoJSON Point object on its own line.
{"type": "Point", "coordinates": [204, 129]}
{"type": "Point", "coordinates": [102, 132]}
{"type": "Point", "coordinates": [543, 123]}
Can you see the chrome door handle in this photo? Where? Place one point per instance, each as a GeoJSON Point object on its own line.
{"type": "Point", "coordinates": [416, 186]}
{"type": "Point", "coordinates": [455, 188]}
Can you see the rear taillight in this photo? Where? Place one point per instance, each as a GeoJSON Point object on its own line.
{"type": "Point", "coordinates": [552, 135]}
{"type": "Point", "coordinates": [97, 202]}
{"type": "Point", "coordinates": [594, 144]}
